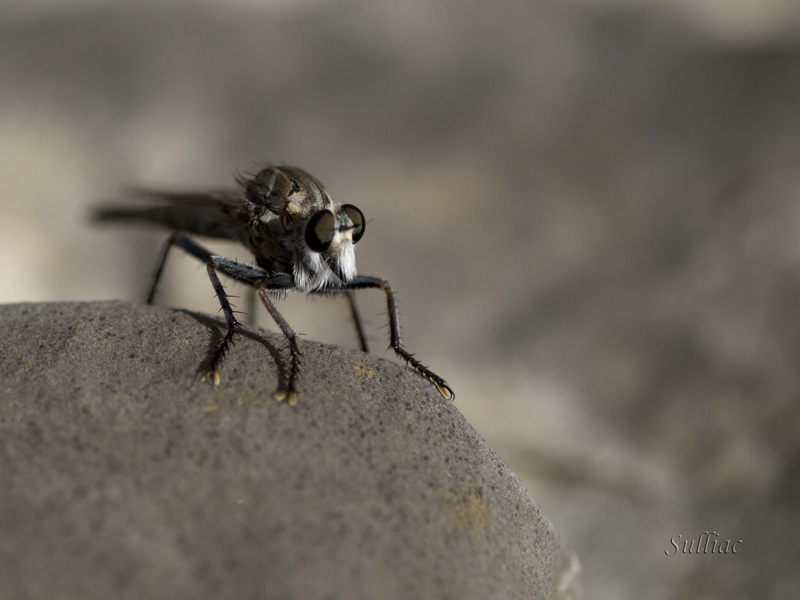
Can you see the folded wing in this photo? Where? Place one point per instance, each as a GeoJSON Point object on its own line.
{"type": "Point", "coordinates": [210, 214]}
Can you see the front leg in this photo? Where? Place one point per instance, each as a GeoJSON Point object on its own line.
{"type": "Point", "coordinates": [244, 273]}
{"type": "Point", "coordinates": [235, 269]}
{"type": "Point", "coordinates": [359, 283]}
{"type": "Point", "coordinates": [263, 281]}
{"type": "Point", "coordinates": [290, 393]}
{"type": "Point", "coordinates": [248, 274]}
{"type": "Point", "coordinates": [212, 374]}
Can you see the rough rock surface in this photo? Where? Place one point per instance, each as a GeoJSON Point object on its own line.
{"type": "Point", "coordinates": [124, 476]}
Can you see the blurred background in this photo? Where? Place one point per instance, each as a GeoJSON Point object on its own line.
{"type": "Point", "coordinates": [589, 209]}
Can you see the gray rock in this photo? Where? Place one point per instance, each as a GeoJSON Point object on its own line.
{"type": "Point", "coordinates": [124, 476]}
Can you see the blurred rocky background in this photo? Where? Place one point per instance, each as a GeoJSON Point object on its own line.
{"type": "Point", "coordinates": [589, 210]}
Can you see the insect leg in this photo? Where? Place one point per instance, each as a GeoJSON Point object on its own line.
{"type": "Point", "coordinates": [290, 394]}
{"type": "Point", "coordinates": [250, 303]}
{"type": "Point", "coordinates": [362, 338]}
{"type": "Point", "coordinates": [250, 274]}
{"type": "Point", "coordinates": [201, 253]}
{"type": "Point", "coordinates": [258, 278]}
{"type": "Point", "coordinates": [396, 344]}
{"type": "Point", "coordinates": [243, 272]}
{"type": "Point", "coordinates": [183, 242]}
{"type": "Point", "coordinates": [211, 374]}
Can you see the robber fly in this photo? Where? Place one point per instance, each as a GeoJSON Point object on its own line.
{"type": "Point", "coordinates": [301, 239]}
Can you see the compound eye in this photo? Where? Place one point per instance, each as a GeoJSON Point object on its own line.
{"type": "Point", "coordinates": [357, 217]}
{"type": "Point", "coordinates": [320, 230]}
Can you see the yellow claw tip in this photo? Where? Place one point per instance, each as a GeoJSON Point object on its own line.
{"type": "Point", "coordinates": [289, 396]}
{"type": "Point", "coordinates": [446, 392]}
{"type": "Point", "coordinates": [211, 377]}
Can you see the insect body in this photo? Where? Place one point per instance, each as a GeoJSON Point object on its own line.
{"type": "Point", "coordinates": [300, 238]}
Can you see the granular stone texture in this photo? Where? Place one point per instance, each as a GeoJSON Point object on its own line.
{"type": "Point", "coordinates": [125, 476]}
